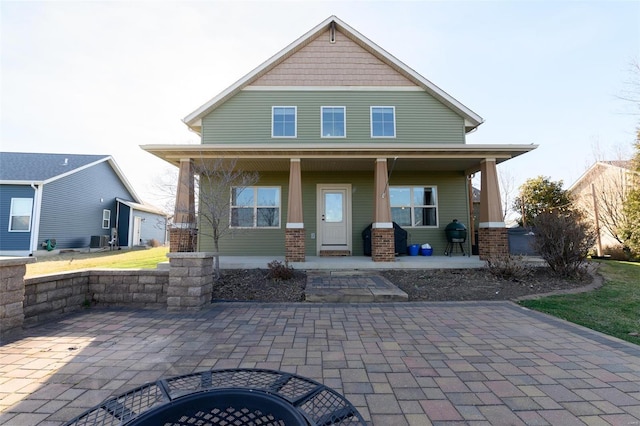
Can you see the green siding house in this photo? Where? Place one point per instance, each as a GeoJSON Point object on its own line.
{"type": "Point", "coordinates": [343, 136]}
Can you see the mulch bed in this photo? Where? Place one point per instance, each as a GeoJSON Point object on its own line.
{"type": "Point", "coordinates": [420, 285]}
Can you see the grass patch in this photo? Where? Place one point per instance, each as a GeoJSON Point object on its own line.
{"type": "Point", "coordinates": [612, 309]}
{"type": "Point", "coordinates": [120, 259]}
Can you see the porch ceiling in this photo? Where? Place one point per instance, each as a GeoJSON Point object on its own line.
{"type": "Point", "coordinates": [344, 157]}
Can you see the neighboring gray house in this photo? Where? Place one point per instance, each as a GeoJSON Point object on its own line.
{"type": "Point", "coordinates": [76, 201]}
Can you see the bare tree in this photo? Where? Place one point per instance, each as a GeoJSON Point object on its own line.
{"type": "Point", "coordinates": [508, 190]}
{"type": "Point", "coordinates": [220, 185]}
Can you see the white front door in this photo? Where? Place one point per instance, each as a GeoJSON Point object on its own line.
{"type": "Point", "coordinates": [137, 231]}
{"type": "Point", "coordinates": [334, 217]}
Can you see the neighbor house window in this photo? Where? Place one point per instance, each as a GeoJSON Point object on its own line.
{"type": "Point", "coordinates": [414, 205]}
{"type": "Point", "coordinates": [255, 207]}
{"type": "Point", "coordinates": [333, 122]}
{"type": "Point", "coordinates": [383, 122]}
{"type": "Point", "coordinates": [283, 122]}
{"type": "Point", "coordinates": [106, 219]}
{"type": "Point", "coordinates": [20, 214]}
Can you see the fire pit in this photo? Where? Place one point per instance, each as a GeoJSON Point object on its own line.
{"type": "Point", "coordinates": [226, 397]}
{"type": "Point", "coordinates": [456, 233]}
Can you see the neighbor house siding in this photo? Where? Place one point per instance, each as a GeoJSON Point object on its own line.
{"type": "Point", "coordinates": [13, 241]}
{"type": "Point", "coordinates": [72, 206]}
{"type": "Point", "coordinates": [154, 226]}
{"type": "Point", "coordinates": [246, 118]}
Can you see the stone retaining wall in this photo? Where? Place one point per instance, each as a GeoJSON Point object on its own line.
{"type": "Point", "coordinates": [47, 296]}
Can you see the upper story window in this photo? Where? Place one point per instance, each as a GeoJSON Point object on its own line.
{"type": "Point", "coordinates": [106, 219]}
{"type": "Point", "coordinates": [20, 214]}
{"type": "Point", "coordinates": [333, 122]}
{"type": "Point", "coordinates": [283, 122]}
{"type": "Point", "coordinates": [414, 205]}
{"type": "Point", "coordinates": [255, 207]}
{"type": "Point", "coordinates": [383, 122]}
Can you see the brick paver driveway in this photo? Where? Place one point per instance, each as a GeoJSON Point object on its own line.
{"type": "Point", "coordinates": [398, 363]}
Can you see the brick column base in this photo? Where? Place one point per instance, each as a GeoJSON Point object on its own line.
{"type": "Point", "coordinates": [493, 243]}
{"type": "Point", "coordinates": [190, 280]}
{"type": "Point", "coordinates": [383, 248]}
{"type": "Point", "coordinates": [183, 240]}
{"type": "Point", "coordinates": [294, 244]}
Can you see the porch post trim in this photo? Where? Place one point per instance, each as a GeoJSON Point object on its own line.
{"type": "Point", "coordinates": [295, 225]}
{"type": "Point", "coordinates": [294, 207]}
{"type": "Point", "coordinates": [491, 225]}
{"type": "Point", "coordinates": [382, 205]}
{"type": "Point", "coordinates": [382, 225]}
{"type": "Point", "coordinates": [185, 209]}
{"type": "Point", "coordinates": [490, 203]}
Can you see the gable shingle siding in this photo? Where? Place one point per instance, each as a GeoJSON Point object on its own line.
{"type": "Point", "coordinates": [342, 63]}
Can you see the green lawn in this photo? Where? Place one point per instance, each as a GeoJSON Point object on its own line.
{"type": "Point", "coordinates": [118, 259]}
{"type": "Point", "coordinates": [613, 309]}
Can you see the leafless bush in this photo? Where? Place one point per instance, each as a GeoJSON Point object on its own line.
{"type": "Point", "coordinates": [280, 271]}
{"type": "Point", "coordinates": [153, 243]}
{"type": "Point", "coordinates": [512, 268]}
{"type": "Point", "coordinates": [563, 239]}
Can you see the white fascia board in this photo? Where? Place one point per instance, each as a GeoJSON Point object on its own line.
{"type": "Point", "coordinates": [21, 182]}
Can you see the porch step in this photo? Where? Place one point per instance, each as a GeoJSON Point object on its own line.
{"type": "Point", "coordinates": [334, 253]}
{"type": "Point", "coordinates": [351, 287]}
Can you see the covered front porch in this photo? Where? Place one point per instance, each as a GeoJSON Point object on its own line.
{"type": "Point", "coordinates": [376, 164]}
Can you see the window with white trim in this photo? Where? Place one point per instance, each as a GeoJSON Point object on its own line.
{"type": "Point", "coordinates": [255, 207]}
{"type": "Point", "coordinates": [106, 219]}
{"type": "Point", "coordinates": [20, 214]}
{"type": "Point", "coordinates": [283, 121]}
{"type": "Point", "coordinates": [383, 122]}
{"type": "Point", "coordinates": [333, 121]}
{"type": "Point", "coordinates": [414, 205]}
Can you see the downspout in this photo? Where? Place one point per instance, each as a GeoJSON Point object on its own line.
{"type": "Point", "coordinates": [117, 223]}
{"type": "Point", "coordinates": [35, 219]}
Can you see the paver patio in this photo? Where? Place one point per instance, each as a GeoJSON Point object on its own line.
{"type": "Point", "coordinates": [398, 363]}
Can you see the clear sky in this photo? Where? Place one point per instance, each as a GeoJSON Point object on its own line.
{"type": "Point", "coordinates": [106, 77]}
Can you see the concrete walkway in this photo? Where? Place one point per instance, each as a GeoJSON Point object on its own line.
{"type": "Point", "coordinates": [475, 363]}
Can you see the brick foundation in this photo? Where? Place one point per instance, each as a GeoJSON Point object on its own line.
{"type": "Point", "coordinates": [294, 244]}
{"type": "Point", "coordinates": [182, 240]}
{"type": "Point", "coordinates": [383, 247]}
{"type": "Point", "coordinates": [493, 243]}
{"type": "Point", "coordinates": [334, 253]}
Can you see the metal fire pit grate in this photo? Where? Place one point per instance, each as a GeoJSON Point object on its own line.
{"type": "Point", "coordinates": [226, 397]}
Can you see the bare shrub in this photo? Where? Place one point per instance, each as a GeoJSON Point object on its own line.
{"type": "Point", "coordinates": [280, 271]}
{"type": "Point", "coordinates": [616, 252]}
{"type": "Point", "coordinates": [512, 268]}
{"type": "Point", "coordinates": [563, 239]}
{"type": "Point", "coordinates": [153, 243]}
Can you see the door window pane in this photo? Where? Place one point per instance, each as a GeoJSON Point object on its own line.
{"type": "Point", "coordinates": [333, 203]}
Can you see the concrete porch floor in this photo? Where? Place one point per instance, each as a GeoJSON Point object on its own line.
{"type": "Point", "coordinates": [356, 262]}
